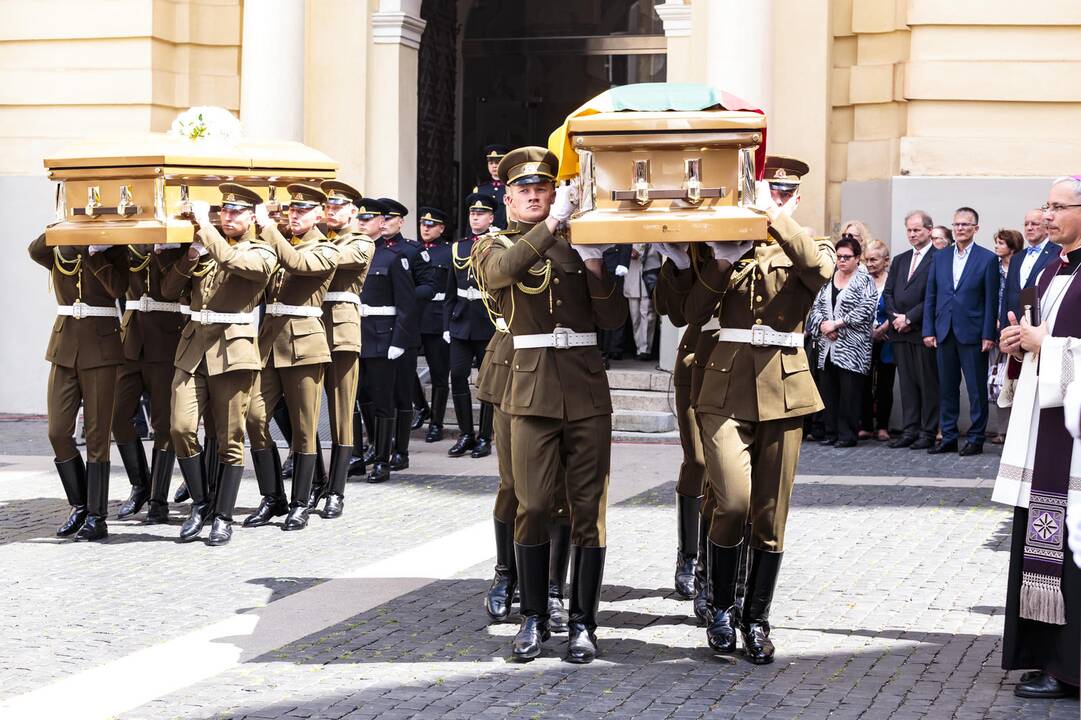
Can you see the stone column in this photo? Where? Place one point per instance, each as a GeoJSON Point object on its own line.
{"type": "Point", "coordinates": [272, 70]}
{"type": "Point", "coordinates": [391, 164]}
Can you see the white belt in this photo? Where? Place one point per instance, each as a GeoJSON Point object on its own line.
{"type": "Point", "coordinates": [439, 297]}
{"type": "Point", "coordinates": [761, 336]}
{"type": "Point", "coordinates": [501, 325]}
{"type": "Point", "coordinates": [185, 309]}
{"type": "Point", "coordinates": [342, 297]}
{"type": "Point", "coordinates": [149, 304]}
{"type": "Point", "coordinates": [277, 309]}
{"type": "Point", "coordinates": [560, 338]}
{"type": "Point", "coordinates": [366, 310]}
{"type": "Point", "coordinates": [209, 317]}
{"type": "Point", "coordinates": [470, 293]}
{"type": "Point", "coordinates": [713, 324]}
{"type": "Point", "coordinates": [81, 310]}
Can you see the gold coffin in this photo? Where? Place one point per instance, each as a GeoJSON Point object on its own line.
{"type": "Point", "coordinates": [666, 177]}
{"type": "Point", "coordinates": [133, 190]}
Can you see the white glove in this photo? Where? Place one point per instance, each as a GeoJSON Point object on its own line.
{"type": "Point", "coordinates": [395, 352]}
{"type": "Point", "coordinates": [158, 247]}
{"type": "Point", "coordinates": [677, 253]}
{"type": "Point", "coordinates": [200, 210]}
{"type": "Point", "coordinates": [566, 202]}
{"type": "Point", "coordinates": [446, 336]}
{"type": "Point", "coordinates": [730, 251]}
{"type": "Point", "coordinates": [198, 248]}
{"type": "Point", "coordinates": [621, 270]}
{"type": "Point", "coordinates": [94, 249]}
{"type": "Point", "coordinates": [262, 216]}
{"type": "Point", "coordinates": [590, 252]}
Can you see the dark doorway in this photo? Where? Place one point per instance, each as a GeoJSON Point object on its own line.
{"type": "Point", "coordinates": [437, 171]}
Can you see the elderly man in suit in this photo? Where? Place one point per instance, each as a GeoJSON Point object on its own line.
{"type": "Point", "coordinates": [903, 296]}
{"type": "Point", "coordinates": [960, 309]}
{"type": "Point", "coordinates": [1039, 250]}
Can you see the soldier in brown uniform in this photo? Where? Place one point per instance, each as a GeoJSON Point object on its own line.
{"type": "Point", "coordinates": [756, 388]}
{"type": "Point", "coordinates": [217, 360]}
{"type": "Point", "coordinates": [151, 330]}
{"type": "Point", "coordinates": [341, 318]}
{"type": "Point", "coordinates": [557, 397]}
{"type": "Point", "coordinates": [85, 350]}
{"type": "Point", "coordinates": [293, 345]}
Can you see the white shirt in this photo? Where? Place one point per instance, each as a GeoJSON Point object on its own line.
{"type": "Point", "coordinates": [917, 256]}
{"type": "Point", "coordinates": [960, 259]}
{"type": "Point", "coordinates": [1030, 260]}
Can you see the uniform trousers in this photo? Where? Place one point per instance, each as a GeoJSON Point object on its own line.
{"type": "Point", "coordinates": [224, 398]}
{"type": "Point", "coordinates": [342, 377]}
{"type": "Point", "coordinates": [302, 388]}
{"type": "Point", "coordinates": [643, 322]}
{"type": "Point", "coordinates": [751, 467]}
{"type": "Point", "coordinates": [405, 372]}
{"type": "Point", "coordinates": [506, 502]}
{"type": "Point", "coordinates": [437, 354]}
{"type": "Point", "coordinates": [546, 450]}
{"type": "Point", "coordinates": [377, 379]}
{"type": "Point", "coordinates": [95, 389]}
{"type": "Point", "coordinates": [464, 356]}
{"type": "Point", "coordinates": [132, 379]}
{"type": "Point", "coordinates": [692, 471]}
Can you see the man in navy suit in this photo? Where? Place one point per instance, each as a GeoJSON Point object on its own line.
{"type": "Point", "coordinates": [1039, 251]}
{"type": "Point", "coordinates": [960, 310]}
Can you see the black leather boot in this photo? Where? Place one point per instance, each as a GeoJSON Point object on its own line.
{"type": "Point", "coordinates": [160, 477]}
{"type": "Point", "coordinates": [560, 533]}
{"type": "Point", "coordinates": [723, 563]}
{"type": "Point", "coordinates": [367, 412]}
{"type": "Point", "coordinates": [702, 592]}
{"type": "Point", "coordinates": [358, 432]}
{"type": "Point", "coordinates": [303, 474]}
{"type": "Point", "coordinates": [228, 487]}
{"type": "Point", "coordinates": [194, 471]}
{"type": "Point", "coordinates": [72, 474]}
{"type": "Point", "coordinates": [761, 582]}
{"type": "Point", "coordinates": [320, 480]}
{"type": "Point", "coordinates": [688, 512]}
{"type": "Point", "coordinates": [439, 412]}
{"type": "Point", "coordinates": [588, 572]}
{"type": "Point", "coordinates": [532, 562]}
{"type": "Point", "coordinates": [400, 459]}
{"type": "Point", "coordinates": [384, 436]}
{"type": "Point", "coordinates": [133, 454]}
{"type": "Point", "coordinates": [267, 466]}
{"type": "Point", "coordinates": [744, 568]}
{"type": "Point", "coordinates": [463, 410]}
{"type": "Point", "coordinates": [339, 465]}
{"type": "Point", "coordinates": [483, 448]}
{"type": "Point", "coordinates": [97, 502]}
{"type": "Point", "coordinates": [287, 466]}
{"type": "Point", "coordinates": [421, 411]}
{"type": "Point", "coordinates": [181, 494]}
{"type": "Point", "coordinates": [498, 600]}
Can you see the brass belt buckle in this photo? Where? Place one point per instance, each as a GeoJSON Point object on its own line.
{"type": "Point", "coordinates": [78, 310]}
{"type": "Point", "coordinates": [562, 337]}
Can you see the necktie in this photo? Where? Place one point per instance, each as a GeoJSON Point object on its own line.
{"type": "Point", "coordinates": [1032, 250]}
{"type": "Point", "coordinates": [915, 264]}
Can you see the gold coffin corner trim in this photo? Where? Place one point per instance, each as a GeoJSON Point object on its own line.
{"type": "Point", "coordinates": [718, 223]}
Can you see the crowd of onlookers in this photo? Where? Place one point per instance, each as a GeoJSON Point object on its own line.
{"type": "Point", "coordinates": [927, 319]}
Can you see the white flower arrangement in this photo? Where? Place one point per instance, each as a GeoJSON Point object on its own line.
{"type": "Point", "coordinates": [206, 121]}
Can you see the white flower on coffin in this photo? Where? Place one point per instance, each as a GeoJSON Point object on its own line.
{"type": "Point", "coordinates": [206, 121]}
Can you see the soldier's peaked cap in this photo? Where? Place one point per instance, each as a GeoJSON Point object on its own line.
{"type": "Point", "coordinates": [427, 214]}
{"type": "Point", "coordinates": [238, 196]}
{"type": "Point", "coordinates": [782, 170]}
{"type": "Point", "coordinates": [480, 201]}
{"type": "Point", "coordinates": [338, 192]}
{"type": "Point", "coordinates": [370, 207]}
{"type": "Point", "coordinates": [394, 208]}
{"type": "Point", "coordinates": [528, 165]}
{"type": "Point", "coordinates": [495, 152]}
{"type": "Point", "coordinates": [305, 196]}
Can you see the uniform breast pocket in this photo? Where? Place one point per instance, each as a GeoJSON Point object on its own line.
{"type": "Point", "coordinates": [799, 388]}
{"type": "Point", "coordinates": [524, 377]}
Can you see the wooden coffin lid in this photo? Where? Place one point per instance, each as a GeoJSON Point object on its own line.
{"type": "Point", "coordinates": [668, 121]}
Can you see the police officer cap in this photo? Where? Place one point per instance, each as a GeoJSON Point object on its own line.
{"type": "Point", "coordinates": [480, 201]}
{"type": "Point", "coordinates": [528, 165]}
{"type": "Point", "coordinates": [339, 193]}
{"type": "Point", "coordinates": [238, 197]}
{"type": "Point", "coordinates": [304, 196]}
{"type": "Point", "coordinates": [394, 208]}
{"type": "Point", "coordinates": [495, 152]}
{"type": "Point", "coordinates": [785, 173]}
{"type": "Point", "coordinates": [367, 208]}
{"type": "Point", "coordinates": [431, 216]}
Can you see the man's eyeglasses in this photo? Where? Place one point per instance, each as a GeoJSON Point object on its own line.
{"type": "Point", "coordinates": [1057, 207]}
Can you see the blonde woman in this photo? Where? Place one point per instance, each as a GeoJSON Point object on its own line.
{"type": "Point", "coordinates": [878, 389]}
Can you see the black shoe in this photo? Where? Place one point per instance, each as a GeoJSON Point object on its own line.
{"type": "Point", "coordinates": [303, 474]}
{"type": "Point", "coordinates": [439, 412]}
{"type": "Point", "coordinates": [161, 474]}
{"type": "Point", "coordinates": [921, 444]}
{"type": "Point", "coordinates": [384, 436]}
{"type": "Point", "coordinates": [943, 448]}
{"type": "Point", "coordinates": [133, 455]}
{"type": "Point", "coordinates": [483, 446]}
{"type": "Point", "coordinates": [333, 507]}
{"type": "Point", "coordinates": [761, 582]}
{"type": "Point", "coordinates": [528, 640]}
{"type": "Point", "coordinates": [97, 501]}
{"type": "Point", "coordinates": [688, 511]}
{"type": "Point", "coordinates": [181, 494]}
{"type": "Point", "coordinates": [643, 357]}
{"type": "Point", "coordinates": [828, 441]}
{"type": "Point", "coordinates": [194, 472]}
{"type": "Point", "coordinates": [901, 442]}
{"type": "Point", "coordinates": [723, 568]}
{"type": "Point", "coordinates": [971, 449]}
{"type": "Point", "coordinates": [420, 416]}
{"type": "Point", "coordinates": [497, 601]}
{"type": "Point", "coordinates": [357, 467]}
{"type": "Point", "coordinates": [586, 579]}
{"type": "Point", "coordinates": [558, 563]}
{"type": "Point", "coordinates": [339, 464]}
{"type": "Point", "coordinates": [221, 532]}
{"type": "Point", "coordinates": [267, 466]}
{"type": "Point", "coordinates": [463, 411]}
{"type": "Point", "coordinates": [532, 562]}
{"type": "Point", "coordinates": [399, 461]}
{"type": "Point", "coordinates": [224, 504]}
{"type": "Point", "coordinates": [435, 434]}
{"type": "Point", "coordinates": [73, 477]}
{"type": "Point", "coordinates": [1044, 687]}
{"type": "Point", "coordinates": [844, 444]}
{"type": "Point", "coordinates": [463, 446]}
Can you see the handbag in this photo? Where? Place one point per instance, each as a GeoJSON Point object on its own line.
{"type": "Point", "coordinates": [996, 374]}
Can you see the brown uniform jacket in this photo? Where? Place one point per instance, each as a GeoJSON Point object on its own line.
{"type": "Point", "coordinates": [775, 287]}
{"type": "Point", "coordinates": [546, 382]}
{"type": "Point", "coordinates": [303, 278]}
{"type": "Point", "coordinates": [669, 296]}
{"type": "Point", "coordinates": [231, 281]}
{"type": "Point", "coordinates": [342, 319]}
{"type": "Point", "coordinates": [151, 336]}
{"type": "Point", "coordinates": [89, 342]}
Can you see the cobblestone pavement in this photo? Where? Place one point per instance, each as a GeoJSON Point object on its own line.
{"type": "Point", "coordinates": [890, 604]}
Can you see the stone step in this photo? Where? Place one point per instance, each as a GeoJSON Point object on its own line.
{"type": "Point", "coordinates": [643, 421]}
{"type": "Point", "coordinates": [641, 400]}
{"type": "Point", "coordinates": [620, 378]}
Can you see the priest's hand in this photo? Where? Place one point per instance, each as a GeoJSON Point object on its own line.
{"type": "Point", "coordinates": [1032, 335]}
{"type": "Point", "coordinates": [1009, 340]}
